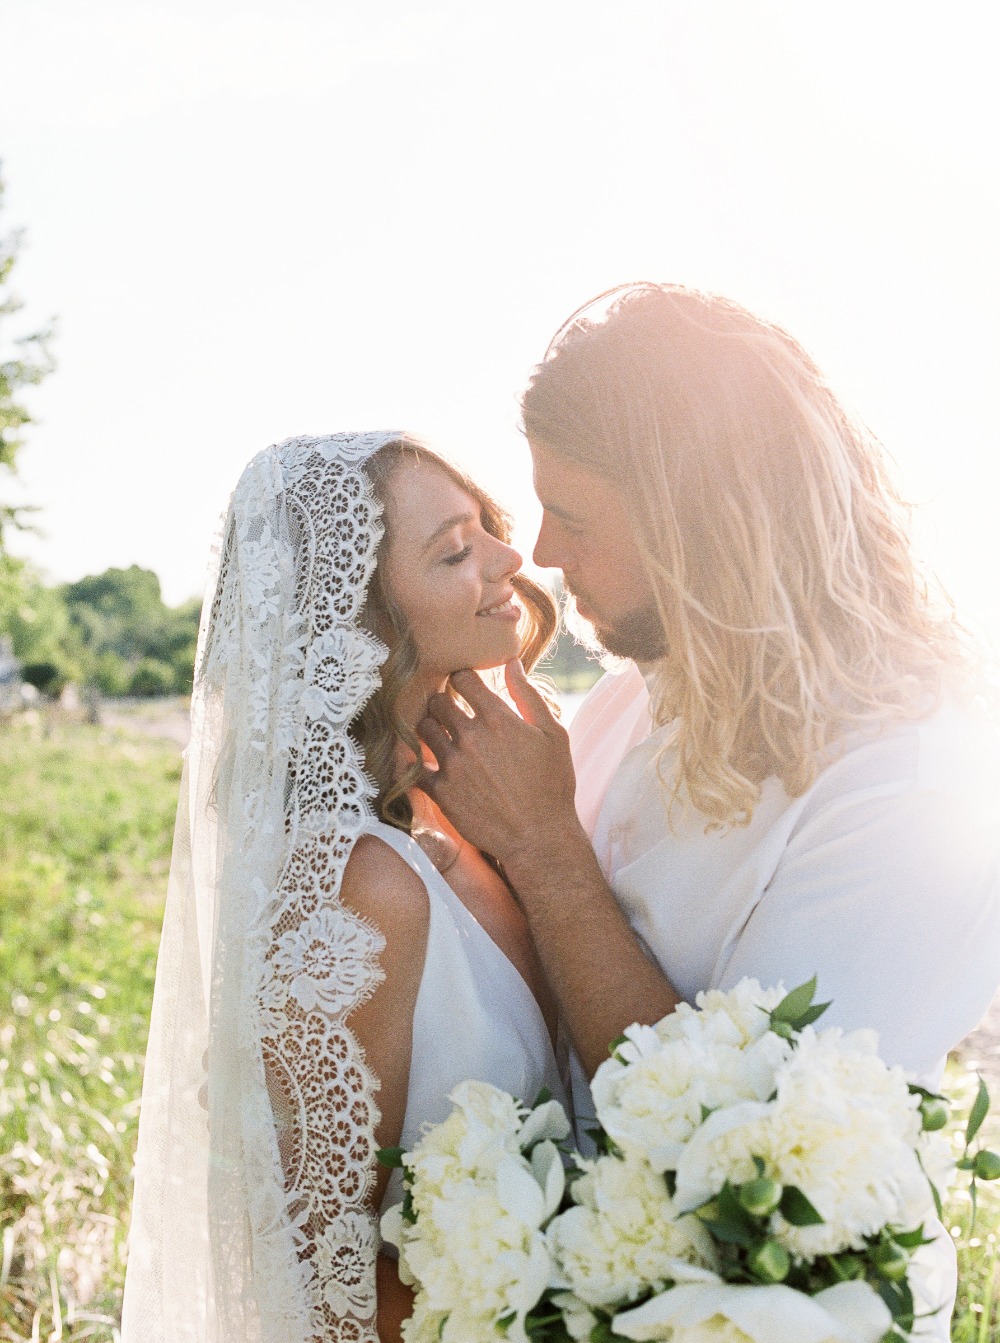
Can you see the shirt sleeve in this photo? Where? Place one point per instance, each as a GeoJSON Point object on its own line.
{"type": "Point", "coordinates": [894, 902]}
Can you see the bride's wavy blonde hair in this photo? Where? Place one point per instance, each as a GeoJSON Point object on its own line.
{"type": "Point", "coordinates": [379, 729]}
{"type": "Point", "coordinates": [774, 541]}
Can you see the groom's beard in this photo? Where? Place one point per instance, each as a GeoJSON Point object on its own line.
{"type": "Point", "coordinates": [638, 635]}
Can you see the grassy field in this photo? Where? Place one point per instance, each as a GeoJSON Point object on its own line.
{"type": "Point", "coordinates": [86, 816]}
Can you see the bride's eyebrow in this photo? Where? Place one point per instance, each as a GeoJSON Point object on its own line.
{"type": "Point", "coordinates": [460, 519]}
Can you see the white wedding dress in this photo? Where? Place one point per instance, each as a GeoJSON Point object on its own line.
{"type": "Point", "coordinates": [475, 1017]}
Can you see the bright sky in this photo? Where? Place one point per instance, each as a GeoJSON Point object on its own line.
{"type": "Point", "coordinates": [256, 219]}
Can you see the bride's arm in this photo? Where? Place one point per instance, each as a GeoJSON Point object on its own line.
{"type": "Point", "coordinates": [379, 886]}
{"type": "Point", "coordinates": [395, 1300]}
{"type": "Point", "coordinates": [384, 890]}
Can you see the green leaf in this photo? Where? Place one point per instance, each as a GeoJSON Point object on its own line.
{"type": "Point", "coordinates": [728, 1221]}
{"type": "Point", "coordinates": [937, 1199]}
{"type": "Point", "coordinates": [406, 1211]}
{"type": "Point", "coordinates": [926, 1095]}
{"type": "Point", "coordinates": [796, 1208]}
{"type": "Point", "coordinates": [602, 1333]}
{"type": "Point", "coordinates": [795, 1003]}
{"type": "Point", "coordinates": [912, 1240]}
{"type": "Point", "coordinates": [811, 1014]}
{"type": "Point", "coordinates": [891, 1261]}
{"type": "Point", "coordinates": [796, 1010]}
{"type": "Point", "coordinates": [544, 1095]}
{"type": "Point", "coordinates": [980, 1108]}
{"type": "Point", "coordinates": [899, 1299]}
{"type": "Point", "coordinates": [846, 1266]}
{"type": "Point", "coordinates": [391, 1157]}
{"type": "Point", "coordinates": [616, 1044]}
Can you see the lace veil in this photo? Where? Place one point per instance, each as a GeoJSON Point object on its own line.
{"type": "Point", "coordinates": [256, 1136]}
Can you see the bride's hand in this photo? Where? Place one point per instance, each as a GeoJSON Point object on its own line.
{"type": "Point", "coordinates": [505, 780]}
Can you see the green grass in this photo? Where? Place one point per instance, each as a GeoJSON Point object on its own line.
{"type": "Point", "coordinates": [86, 817]}
{"type": "Point", "coordinates": [977, 1310]}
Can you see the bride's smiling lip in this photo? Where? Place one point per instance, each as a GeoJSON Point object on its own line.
{"type": "Point", "coordinates": [503, 609]}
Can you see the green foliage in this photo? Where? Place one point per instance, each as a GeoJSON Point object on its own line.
{"type": "Point", "coordinates": [37, 619]}
{"type": "Point", "coordinates": [570, 665]}
{"type": "Point", "coordinates": [151, 678]}
{"type": "Point", "coordinates": [976, 1228]}
{"type": "Point", "coordinates": [24, 361]}
{"type": "Point", "coordinates": [111, 631]}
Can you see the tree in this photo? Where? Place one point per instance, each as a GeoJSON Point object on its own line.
{"type": "Point", "coordinates": [24, 361]}
{"type": "Point", "coordinates": [133, 642]}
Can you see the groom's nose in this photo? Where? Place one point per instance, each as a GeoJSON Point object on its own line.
{"type": "Point", "coordinates": [546, 553]}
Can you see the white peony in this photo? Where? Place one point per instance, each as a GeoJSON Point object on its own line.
{"type": "Point", "coordinates": [739, 1016]}
{"type": "Point", "coordinates": [843, 1128]}
{"type": "Point", "coordinates": [624, 1236]}
{"type": "Point", "coordinates": [652, 1097]}
{"type": "Point", "coordinates": [477, 1251]}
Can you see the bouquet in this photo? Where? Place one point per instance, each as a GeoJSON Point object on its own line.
{"type": "Point", "coordinates": [754, 1179]}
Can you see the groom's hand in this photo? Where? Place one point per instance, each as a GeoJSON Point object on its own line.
{"type": "Point", "coordinates": [505, 780]}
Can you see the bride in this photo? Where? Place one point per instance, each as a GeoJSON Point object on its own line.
{"type": "Point", "coordinates": [335, 957]}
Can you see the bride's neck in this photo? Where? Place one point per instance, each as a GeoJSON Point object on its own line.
{"type": "Point", "coordinates": [411, 704]}
{"type": "Point", "coordinates": [412, 707]}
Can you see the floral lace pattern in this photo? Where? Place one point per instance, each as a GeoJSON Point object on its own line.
{"type": "Point", "coordinates": [297, 557]}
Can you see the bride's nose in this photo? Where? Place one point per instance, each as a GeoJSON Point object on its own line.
{"type": "Point", "coordinates": [503, 562]}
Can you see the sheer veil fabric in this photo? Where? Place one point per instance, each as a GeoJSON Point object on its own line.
{"type": "Point", "coordinates": [256, 1149]}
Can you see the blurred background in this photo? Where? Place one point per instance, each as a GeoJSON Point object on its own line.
{"type": "Point", "coordinates": [228, 221]}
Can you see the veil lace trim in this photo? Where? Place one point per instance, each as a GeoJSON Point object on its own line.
{"type": "Point", "coordinates": [277, 796]}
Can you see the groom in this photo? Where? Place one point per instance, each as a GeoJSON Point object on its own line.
{"type": "Point", "coordinates": [784, 781]}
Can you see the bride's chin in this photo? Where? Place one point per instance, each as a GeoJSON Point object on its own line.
{"type": "Point", "coordinates": [493, 660]}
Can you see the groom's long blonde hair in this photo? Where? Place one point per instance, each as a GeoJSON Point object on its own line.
{"type": "Point", "coordinates": [774, 541]}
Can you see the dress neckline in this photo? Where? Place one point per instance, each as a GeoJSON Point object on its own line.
{"type": "Point", "coordinates": [430, 875]}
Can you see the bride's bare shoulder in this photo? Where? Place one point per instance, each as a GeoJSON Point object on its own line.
{"type": "Point", "coordinates": [380, 884]}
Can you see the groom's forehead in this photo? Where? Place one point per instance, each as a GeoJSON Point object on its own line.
{"type": "Point", "coordinates": [564, 488]}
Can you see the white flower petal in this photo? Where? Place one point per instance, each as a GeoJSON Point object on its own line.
{"type": "Point", "coordinates": [391, 1225]}
{"type": "Point", "coordinates": [765, 1314]}
{"type": "Point", "coordinates": [544, 1121]}
{"type": "Point", "coordinates": [858, 1307]}
{"type": "Point", "coordinates": [547, 1168]}
{"type": "Point", "coordinates": [518, 1192]}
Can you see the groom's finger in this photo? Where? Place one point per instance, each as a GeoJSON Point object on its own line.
{"type": "Point", "coordinates": [530, 704]}
{"type": "Point", "coordinates": [477, 695]}
{"type": "Point", "coordinates": [431, 731]}
{"type": "Point", "coordinates": [444, 709]}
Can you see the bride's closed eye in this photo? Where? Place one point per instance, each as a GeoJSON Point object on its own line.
{"type": "Point", "coordinates": [459, 556]}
